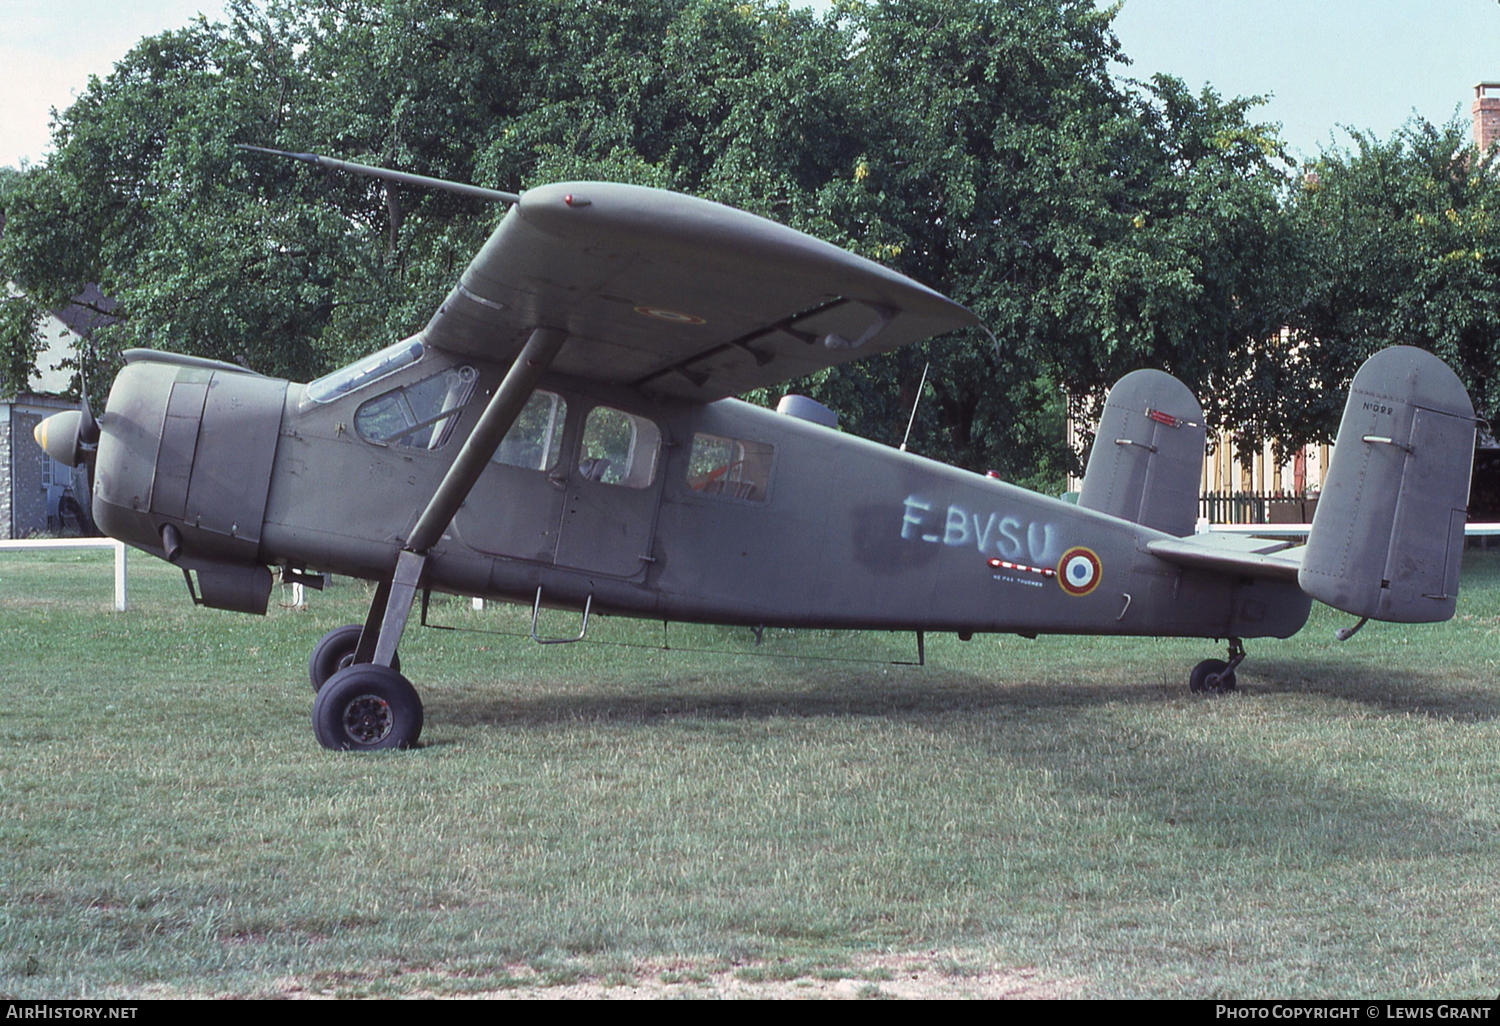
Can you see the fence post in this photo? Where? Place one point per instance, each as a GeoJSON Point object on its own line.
{"type": "Point", "coordinates": [120, 596]}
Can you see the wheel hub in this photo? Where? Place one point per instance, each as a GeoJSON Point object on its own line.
{"type": "Point", "coordinates": [368, 719]}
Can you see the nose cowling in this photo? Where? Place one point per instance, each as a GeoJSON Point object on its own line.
{"type": "Point", "coordinates": [189, 447]}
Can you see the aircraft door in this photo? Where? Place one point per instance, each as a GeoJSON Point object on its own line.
{"type": "Point", "coordinates": [516, 506]}
{"type": "Point", "coordinates": [609, 515]}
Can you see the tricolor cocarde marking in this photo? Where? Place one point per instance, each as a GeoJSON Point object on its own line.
{"type": "Point", "coordinates": [1079, 571]}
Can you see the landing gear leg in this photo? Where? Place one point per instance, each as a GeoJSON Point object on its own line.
{"type": "Point", "coordinates": [1216, 676]}
{"type": "Point", "coordinates": [389, 611]}
{"type": "Point", "coordinates": [367, 703]}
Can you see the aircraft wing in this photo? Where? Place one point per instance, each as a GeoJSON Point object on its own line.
{"type": "Point", "coordinates": [1229, 554]}
{"type": "Point", "coordinates": [677, 296]}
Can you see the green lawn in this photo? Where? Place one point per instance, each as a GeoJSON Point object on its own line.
{"type": "Point", "coordinates": [1061, 809]}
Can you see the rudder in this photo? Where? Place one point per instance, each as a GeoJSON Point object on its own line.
{"type": "Point", "coordinates": [1387, 536]}
{"type": "Point", "coordinates": [1147, 458]}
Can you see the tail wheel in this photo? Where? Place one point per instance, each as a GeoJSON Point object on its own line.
{"type": "Point", "coordinates": [1212, 677]}
{"type": "Point", "coordinates": [366, 707]}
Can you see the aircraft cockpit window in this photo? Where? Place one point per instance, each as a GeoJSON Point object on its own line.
{"type": "Point", "coordinates": [362, 372]}
{"type": "Point", "coordinates": [619, 448]}
{"type": "Point", "coordinates": [731, 467]}
{"type": "Point", "coordinates": [534, 441]}
{"type": "Point", "coordinates": [421, 415]}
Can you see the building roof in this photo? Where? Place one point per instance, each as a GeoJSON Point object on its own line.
{"type": "Point", "coordinates": [90, 309]}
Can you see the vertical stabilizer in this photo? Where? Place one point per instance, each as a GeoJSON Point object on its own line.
{"type": "Point", "coordinates": [1387, 537]}
{"type": "Point", "coordinates": [1147, 458]}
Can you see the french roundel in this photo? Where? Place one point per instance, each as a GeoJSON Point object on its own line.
{"type": "Point", "coordinates": [1079, 571]}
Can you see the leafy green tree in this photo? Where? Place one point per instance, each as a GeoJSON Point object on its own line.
{"type": "Point", "coordinates": [980, 146]}
{"type": "Point", "coordinates": [1095, 225]}
{"type": "Point", "coordinates": [20, 317]}
{"type": "Point", "coordinates": [1401, 245]}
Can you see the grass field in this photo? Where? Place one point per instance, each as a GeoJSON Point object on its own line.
{"type": "Point", "coordinates": [1052, 817]}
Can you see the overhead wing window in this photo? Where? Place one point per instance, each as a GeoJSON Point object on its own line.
{"type": "Point", "coordinates": [361, 372]}
{"type": "Point", "coordinates": [534, 441]}
{"type": "Point", "coordinates": [421, 415]}
{"type": "Point", "coordinates": [619, 448]}
{"type": "Point", "coordinates": [730, 467]}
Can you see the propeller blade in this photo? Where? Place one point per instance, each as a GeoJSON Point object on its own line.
{"type": "Point", "coordinates": [88, 427]}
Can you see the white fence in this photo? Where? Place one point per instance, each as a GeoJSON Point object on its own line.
{"type": "Point", "coordinates": [24, 544]}
{"type": "Point", "coordinates": [1300, 530]}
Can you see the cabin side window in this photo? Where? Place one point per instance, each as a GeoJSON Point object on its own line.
{"type": "Point", "coordinates": [730, 467]}
{"type": "Point", "coordinates": [421, 415]}
{"type": "Point", "coordinates": [619, 448]}
{"type": "Point", "coordinates": [534, 441]}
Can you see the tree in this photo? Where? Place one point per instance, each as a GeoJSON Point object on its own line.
{"type": "Point", "coordinates": [980, 146]}
{"type": "Point", "coordinates": [1095, 225]}
{"type": "Point", "coordinates": [213, 251]}
{"type": "Point", "coordinates": [1400, 243]}
{"type": "Point", "coordinates": [20, 316]}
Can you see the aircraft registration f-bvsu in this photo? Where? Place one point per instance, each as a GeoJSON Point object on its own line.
{"type": "Point", "coordinates": [563, 433]}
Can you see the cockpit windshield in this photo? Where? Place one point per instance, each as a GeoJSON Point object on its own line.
{"type": "Point", "coordinates": [361, 372]}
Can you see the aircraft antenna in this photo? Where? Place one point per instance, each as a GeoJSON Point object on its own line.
{"type": "Point", "coordinates": [461, 188]}
{"type": "Point", "coordinates": [915, 403]}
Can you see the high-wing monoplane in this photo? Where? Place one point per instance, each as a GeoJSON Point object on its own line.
{"type": "Point", "coordinates": [563, 433]}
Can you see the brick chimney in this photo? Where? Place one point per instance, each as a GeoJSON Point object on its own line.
{"type": "Point", "coordinates": [1486, 111]}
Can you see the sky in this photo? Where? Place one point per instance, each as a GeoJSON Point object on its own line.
{"type": "Point", "coordinates": [1324, 64]}
{"type": "Point", "coordinates": [49, 48]}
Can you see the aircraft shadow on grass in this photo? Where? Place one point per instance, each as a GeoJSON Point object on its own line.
{"type": "Point", "coordinates": [1162, 777]}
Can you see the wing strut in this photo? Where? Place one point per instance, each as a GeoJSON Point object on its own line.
{"type": "Point", "coordinates": [393, 601]}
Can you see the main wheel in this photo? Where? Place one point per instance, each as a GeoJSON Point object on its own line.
{"type": "Point", "coordinates": [1212, 676]}
{"type": "Point", "coordinates": [367, 706]}
{"type": "Point", "coordinates": [333, 652]}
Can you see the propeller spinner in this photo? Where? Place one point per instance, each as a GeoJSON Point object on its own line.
{"type": "Point", "coordinates": [68, 437]}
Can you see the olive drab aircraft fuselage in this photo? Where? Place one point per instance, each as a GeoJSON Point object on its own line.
{"type": "Point", "coordinates": [563, 433]}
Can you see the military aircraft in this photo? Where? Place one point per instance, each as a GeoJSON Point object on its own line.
{"type": "Point", "coordinates": [562, 433]}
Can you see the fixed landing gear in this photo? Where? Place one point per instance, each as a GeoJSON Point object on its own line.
{"type": "Point", "coordinates": [368, 704]}
{"type": "Point", "coordinates": [1212, 676]}
{"type": "Point", "coordinates": [1215, 676]}
{"type": "Point", "coordinates": [360, 706]}
{"type": "Point", "coordinates": [333, 652]}
{"type": "Point", "coordinates": [367, 707]}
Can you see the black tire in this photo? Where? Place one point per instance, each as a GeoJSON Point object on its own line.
{"type": "Point", "coordinates": [1212, 677]}
{"type": "Point", "coordinates": [367, 707]}
{"type": "Point", "coordinates": [333, 652]}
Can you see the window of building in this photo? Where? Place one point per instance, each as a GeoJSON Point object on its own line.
{"type": "Point", "coordinates": [55, 473]}
{"type": "Point", "coordinates": [731, 467]}
{"type": "Point", "coordinates": [421, 415]}
{"type": "Point", "coordinates": [619, 448]}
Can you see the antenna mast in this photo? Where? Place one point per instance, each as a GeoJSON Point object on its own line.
{"type": "Point", "coordinates": [916, 403]}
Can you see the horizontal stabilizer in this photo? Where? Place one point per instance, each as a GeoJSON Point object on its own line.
{"type": "Point", "coordinates": [1388, 533]}
{"type": "Point", "coordinates": [1225, 554]}
{"type": "Point", "coordinates": [1148, 455]}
